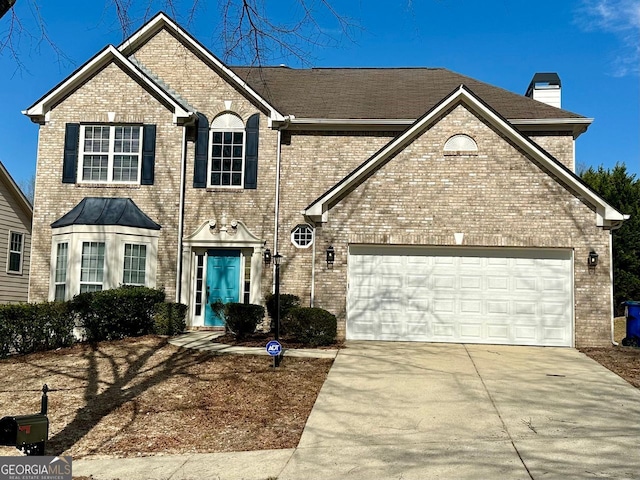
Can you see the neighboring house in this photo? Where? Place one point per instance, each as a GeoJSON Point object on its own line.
{"type": "Point", "coordinates": [15, 240]}
{"type": "Point", "coordinates": [449, 207]}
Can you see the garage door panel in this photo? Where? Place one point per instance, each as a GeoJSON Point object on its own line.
{"type": "Point", "coordinates": [416, 280]}
{"type": "Point", "coordinates": [554, 309]}
{"type": "Point", "coordinates": [418, 328]}
{"type": "Point", "coordinates": [526, 284]}
{"type": "Point", "coordinates": [444, 306]}
{"type": "Point", "coordinates": [471, 306]}
{"type": "Point", "coordinates": [522, 309]}
{"type": "Point", "coordinates": [460, 295]}
{"type": "Point", "coordinates": [497, 283]}
{"type": "Point", "coordinates": [470, 331]}
{"type": "Point", "coordinates": [470, 283]}
{"type": "Point", "coordinates": [525, 334]}
{"type": "Point", "coordinates": [391, 281]}
{"type": "Point", "coordinates": [444, 332]}
{"type": "Point", "coordinates": [443, 282]}
{"type": "Point", "coordinates": [498, 333]}
{"type": "Point", "coordinates": [497, 307]}
{"type": "Point", "coordinates": [553, 285]}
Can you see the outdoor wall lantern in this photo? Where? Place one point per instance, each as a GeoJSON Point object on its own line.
{"type": "Point", "coordinates": [267, 257]}
{"type": "Point", "coordinates": [592, 261]}
{"type": "Point", "coordinates": [331, 256]}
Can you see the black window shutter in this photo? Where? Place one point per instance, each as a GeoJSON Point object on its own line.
{"type": "Point", "coordinates": [251, 153]}
{"type": "Point", "coordinates": [70, 162]}
{"type": "Point", "coordinates": [148, 154]}
{"type": "Point", "coordinates": [202, 151]}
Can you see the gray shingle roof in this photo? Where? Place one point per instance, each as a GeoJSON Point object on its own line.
{"type": "Point", "coordinates": [379, 93]}
{"type": "Point", "coordinates": [106, 211]}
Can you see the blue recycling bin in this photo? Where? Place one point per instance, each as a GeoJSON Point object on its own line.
{"type": "Point", "coordinates": [632, 315]}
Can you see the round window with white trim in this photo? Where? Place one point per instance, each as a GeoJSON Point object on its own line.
{"type": "Point", "coordinates": [302, 236]}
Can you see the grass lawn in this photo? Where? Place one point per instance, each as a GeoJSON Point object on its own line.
{"type": "Point", "coordinates": [144, 396]}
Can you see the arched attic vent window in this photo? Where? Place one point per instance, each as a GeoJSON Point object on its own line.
{"type": "Point", "coordinates": [461, 143]}
{"type": "Point", "coordinates": [227, 121]}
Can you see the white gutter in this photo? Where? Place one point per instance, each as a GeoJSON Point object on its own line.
{"type": "Point", "coordinates": [300, 123]}
{"type": "Point", "coordinates": [551, 121]}
{"type": "Point", "coordinates": [183, 165]}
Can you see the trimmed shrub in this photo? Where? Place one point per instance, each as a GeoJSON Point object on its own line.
{"type": "Point", "coordinates": [58, 319]}
{"type": "Point", "coordinates": [32, 327]}
{"type": "Point", "coordinates": [287, 302]}
{"type": "Point", "coordinates": [242, 319]}
{"type": "Point", "coordinates": [313, 326]}
{"type": "Point", "coordinates": [121, 312]}
{"type": "Point", "coordinates": [169, 318]}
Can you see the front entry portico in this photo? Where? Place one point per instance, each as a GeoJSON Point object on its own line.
{"type": "Point", "coordinates": [222, 261]}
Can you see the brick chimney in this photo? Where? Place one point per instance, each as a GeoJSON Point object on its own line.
{"type": "Point", "coordinates": [546, 88]}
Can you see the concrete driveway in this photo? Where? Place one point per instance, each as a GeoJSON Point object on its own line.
{"type": "Point", "coordinates": [419, 411]}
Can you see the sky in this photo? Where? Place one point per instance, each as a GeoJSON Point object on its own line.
{"type": "Point", "coordinates": [593, 45]}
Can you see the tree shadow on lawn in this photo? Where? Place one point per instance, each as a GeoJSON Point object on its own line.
{"type": "Point", "coordinates": [113, 377]}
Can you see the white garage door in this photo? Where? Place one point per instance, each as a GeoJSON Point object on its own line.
{"type": "Point", "coordinates": [499, 296]}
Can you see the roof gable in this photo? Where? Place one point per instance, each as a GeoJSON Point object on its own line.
{"type": "Point", "coordinates": [39, 110]}
{"type": "Point", "coordinates": [16, 191]}
{"type": "Point", "coordinates": [606, 216]}
{"type": "Point", "coordinates": [162, 21]}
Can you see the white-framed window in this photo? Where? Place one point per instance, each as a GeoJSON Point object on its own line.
{"type": "Point", "coordinates": [302, 236]}
{"type": "Point", "coordinates": [60, 280]}
{"type": "Point", "coordinates": [227, 151]}
{"type": "Point", "coordinates": [135, 262]}
{"type": "Point", "coordinates": [16, 245]}
{"type": "Point", "coordinates": [87, 258]}
{"type": "Point", "coordinates": [92, 267]}
{"type": "Point", "coordinates": [110, 153]}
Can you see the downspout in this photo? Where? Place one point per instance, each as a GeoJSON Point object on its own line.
{"type": "Point", "coordinates": [33, 212]}
{"type": "Point", "coordinates": [313, 267]}
{"type": "Point", "coordinates": [276, 207]}
{"type": "Point", "coordinates": [283, 126]}
{"type": "Point", "coordinates": [613, 307]}
{"type": "Point", "coordinates": [183, 165]}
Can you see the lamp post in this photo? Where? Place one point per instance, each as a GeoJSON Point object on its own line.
{"type": "Point", "coordinates": [277, 258]}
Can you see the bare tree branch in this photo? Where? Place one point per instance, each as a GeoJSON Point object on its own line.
{"type": "Point", "coordinates": [247, 30]}
{"type": "Point", "coordinates": [34, 33]}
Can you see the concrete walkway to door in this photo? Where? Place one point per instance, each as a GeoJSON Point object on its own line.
{"type": "Point", "coordinates": [417, 411]}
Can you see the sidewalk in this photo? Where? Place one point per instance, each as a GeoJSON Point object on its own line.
{"type": "Point", "coordinates": [256, 465]}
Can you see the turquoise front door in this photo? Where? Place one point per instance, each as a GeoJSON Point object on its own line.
{"type": "Point", "coordinates": [223, 282]}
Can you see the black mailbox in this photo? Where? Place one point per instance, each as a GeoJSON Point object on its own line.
{"type": "Point", "coordinates": [28, 433]}
{"type": "Point", "coordinates": [25, 432]}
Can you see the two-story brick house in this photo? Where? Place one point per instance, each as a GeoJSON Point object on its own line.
{"type": "Point", "coordinates": [448, 207]}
